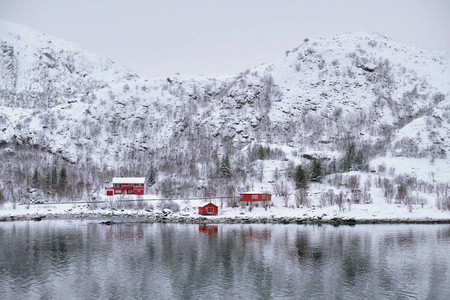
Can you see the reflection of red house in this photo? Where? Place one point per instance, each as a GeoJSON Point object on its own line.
{"type": "Point", "coordinates": [256, 234]}
{"type": "Point", "coordinates": [126, 185]}
{"type": "Point", "coordinates": [208, 229]}
{"type": "Point", "coordinates": [255, 197]}
{"type": "Point", "coordinates": [208, 209]}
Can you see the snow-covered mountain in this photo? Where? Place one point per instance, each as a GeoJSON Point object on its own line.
{"type": "Point", "coordinates": [40, 71]}
{"type": "Point", "coordinates": [64, 105]}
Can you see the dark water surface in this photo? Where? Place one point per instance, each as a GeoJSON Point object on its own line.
{"type": "Point", "coordinates": [81, 259]}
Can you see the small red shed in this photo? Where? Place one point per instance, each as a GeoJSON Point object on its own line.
{"type": "Point", "coordinates": [208, 209]}
{"type": "Point", "coordinates": [255, 197]}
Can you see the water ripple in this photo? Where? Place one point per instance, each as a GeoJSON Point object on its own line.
{"type": "Point", "coordinates": [79, 260]}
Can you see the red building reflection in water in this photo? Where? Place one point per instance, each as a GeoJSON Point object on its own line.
{"type": "Point", "coordinates": [208, 229]}
{"type": "Point", "coordinates": [255, 234]}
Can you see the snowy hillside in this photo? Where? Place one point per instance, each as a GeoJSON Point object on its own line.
{"type": "Point", "coordinates": [351, 111]}
{"type": "Point", "coordinates": [40, 71]}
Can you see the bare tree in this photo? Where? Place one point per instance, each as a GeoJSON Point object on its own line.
{"type": "Point", "coordinates": [301, 198]}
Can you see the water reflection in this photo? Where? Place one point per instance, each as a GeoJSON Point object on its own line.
{"type": "Point", "coordinates": [82, 259]}
{"type": "Point", "coordinates": [208, 229]}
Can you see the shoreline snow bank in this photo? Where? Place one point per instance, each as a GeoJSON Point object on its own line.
{"type": "Point", "coordinates": [359, 214]}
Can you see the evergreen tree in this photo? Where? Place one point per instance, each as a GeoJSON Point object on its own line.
{"type": "Point", "coordinates": [63, 177]}
{"type": "Point", "coordinates": [54, 177]}
{"type": "Point", "coordinates": [35, 180]}
{"type": "Point", "coordinates": [151, 176]}
{"type": "Point", "coordinates": [301, 180]}
{"type": "Point", "coordinates": [48, 180]}
{"type": "Point", "coordinates": [353, 159]}
{"type": "Point", "coordinates": [261, 152]}
{"type": "Point", "coordinates": [359, 161]}
{"type": "Point", "coordinates": [349, 158]}
{"type": "Point", "coordinates": [316, 171]}
{"type": "Point", "coordinates": [225, 167]}
{"type": "Point", "coordinates": [2, 197]}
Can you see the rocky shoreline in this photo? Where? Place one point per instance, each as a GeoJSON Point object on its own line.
{"type": "Point", "coordinates": [125, 217]}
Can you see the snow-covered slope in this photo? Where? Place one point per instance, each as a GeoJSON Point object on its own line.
{"type": "Point", "coordinates": [40, 71]}
{"type": "Point", "coordinates": [390, 100]}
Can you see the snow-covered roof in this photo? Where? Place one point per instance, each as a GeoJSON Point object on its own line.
{"type": "Point", "coordinates": [252, 193]}
{"type": "Point", "coordinates": [129, 180]}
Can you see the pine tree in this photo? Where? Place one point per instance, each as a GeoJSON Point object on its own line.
{"type": "Point", "coordinates": [48, 180]}
{"type": "Point", "coordinates": [151, 177]}
{"type": "Point", "coordinates": [35, 180]}
{"type": "Point", "coordinates": [316, 171]}
{"type": "Point", "coordinates": [301, 180]}
{"type": "Point", "coordinates": [63, 177]}
{"type": "Point", "coordinates": [54, 177]}
{"type": "Point", "coordinates": [349, 158]}
{"type": "Point", "coordinates": [2, 197]}
{"type": "Point", "coordinates": [225, 167]}
{"type": "Point", "coordinates": [261, 152]}
{"type": "Point", "coordinates": [359, 161]}
{"type": "Point", "coordinates": [353, 159]}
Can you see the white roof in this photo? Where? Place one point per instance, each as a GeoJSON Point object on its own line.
{"type": "Point", "coordinates": [252, 192]}
{"type": "Point", "coordinates": [129, 180]}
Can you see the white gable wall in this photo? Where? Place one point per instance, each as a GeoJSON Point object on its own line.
{"type": "Point", "coordinates": [133, 180]}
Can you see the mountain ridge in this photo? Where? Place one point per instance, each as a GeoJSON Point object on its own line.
{"type": "Point", "coordinates": [36, 69]}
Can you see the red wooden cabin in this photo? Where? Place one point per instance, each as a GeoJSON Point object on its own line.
{"type": "Point", "coordinates": [126, 186]}
{"type": "Point", "coordinates": [255, 197]}
{"type": "Point", "coordinates": [208, 209]}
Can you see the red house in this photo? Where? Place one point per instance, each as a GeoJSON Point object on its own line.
{"type": "Point", "coordinates": [126, 186]}
{"type": "Point", "coordinates": [250, 197]}
{"type": "Point", "coordinates": [208, 209]}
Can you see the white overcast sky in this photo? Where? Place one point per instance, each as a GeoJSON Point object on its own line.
{"type": "Point", "coordinates": [162, 37]}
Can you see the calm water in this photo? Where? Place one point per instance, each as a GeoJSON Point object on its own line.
{"type": "Point", "coordinates": [81, 259]}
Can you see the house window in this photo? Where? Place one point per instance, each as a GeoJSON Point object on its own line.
{"type": "Point", "coordinates": [254, 196]}
{"type": "Point", "coordinates": [242, 196]}
{"type": "Point", "coordinates": [264, 196]}
{"type": "Point", "coordinates": [118, 191]}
